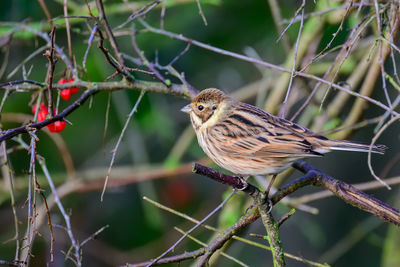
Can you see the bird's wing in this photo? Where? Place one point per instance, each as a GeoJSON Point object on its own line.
{"type": "Point", "coordinates": [255, 133]}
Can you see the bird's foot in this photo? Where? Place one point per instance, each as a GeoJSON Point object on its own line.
{"type": "Point", "coordinates": [270, 204]}
{"type": "Point", "coordinates": [243, 182]}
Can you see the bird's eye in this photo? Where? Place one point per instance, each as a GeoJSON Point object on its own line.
{"type": "Point", "coordinates": [214, 107]}
{"type": "Point", "coordinates": [200, 107]}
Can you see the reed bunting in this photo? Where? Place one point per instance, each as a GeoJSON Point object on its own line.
{"type": "Point", "coordinates": [247, 140]}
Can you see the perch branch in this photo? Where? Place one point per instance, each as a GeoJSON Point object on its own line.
{"type": "Point", "coordinates": [312, 176]}
{"type": "Point", "coordinates": [263, 206]}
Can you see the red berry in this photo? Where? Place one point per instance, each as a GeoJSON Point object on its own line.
{"type": "Point", "coordinates": [42, 115]}
{"type": "Point", "coordinates": [73, 90]}
{"type": "Point", "coordinates": [65, 94]}
{"type": "Point", "coordinates": [62, 80]}
{"type": "Point", "coordinates": [57, 126]}
{"type": "Point", "coordinates": [42, 107]}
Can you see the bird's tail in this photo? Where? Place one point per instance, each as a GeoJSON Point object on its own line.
{"type": "Point", "coordinates": [354, 146]}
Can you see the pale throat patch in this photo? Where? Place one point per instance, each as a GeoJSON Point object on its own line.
{"type": "Point", "coordinates": [195, 120]}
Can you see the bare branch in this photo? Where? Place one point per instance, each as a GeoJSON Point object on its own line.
{"type": "Point", "coordinates": [265, 64]}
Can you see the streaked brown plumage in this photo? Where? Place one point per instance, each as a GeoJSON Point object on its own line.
{"type": "Point", "coordinates": [249, 141]}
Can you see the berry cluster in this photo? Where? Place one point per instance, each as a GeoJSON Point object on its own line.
{"type": "Point", "coordinates": [57, 126]}
{"type": "Point", "coordinates": [66, 93]}
{"type": "Point", "coordinates": [54, 127]}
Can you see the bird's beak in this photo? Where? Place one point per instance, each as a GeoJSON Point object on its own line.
{"type": "Point", "coordinates": [187, 109]}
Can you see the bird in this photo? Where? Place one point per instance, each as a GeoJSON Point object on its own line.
{"type": "Point", "coordinates": [247, 140]}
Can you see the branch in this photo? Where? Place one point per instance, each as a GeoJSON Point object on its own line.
{"type": "Point", "coordinates": [312, 176]}
{"type": "Point", "coordinates": [177, 258]}
{"type": "Point", "coordinates": [110, 35]}
{"type": "Point", "coordinates": [264, 64]}
{"type": "Point", "coordinates": [8, 134]}
{"type": "Point", "coordinates": [139, 85]}
{"type": "Point", "coordinates": [50, 71]}
{"type": "Point", "coordinates": [263, 205]}
{"type": "Point", "coordinates": [234, 181]}
{"type": "Point", "coordinates": [348, 193]}
{"type": "Point", "coordinates": [58, 49]}
{"type": "Point", "coordinates": [145, 86]}
{"type": "Point", "coordinates": [272, 227]}
{"type": "Point", "coordinates": [120, 68]}
{"type": "Point", "coordinates": [144, 60]}
{"type": "Point", "coordinates": [221, 239]}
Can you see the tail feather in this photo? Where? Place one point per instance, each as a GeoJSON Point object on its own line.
{"type": "Point", "coordinates": [355, 146]}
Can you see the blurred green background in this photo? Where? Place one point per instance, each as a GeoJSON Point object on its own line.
{"type": "Point", "coordinates": [137, 230]}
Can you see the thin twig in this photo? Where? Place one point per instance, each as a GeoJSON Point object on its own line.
{"type": "Point", "coordinates": [46, 12]}
{"type": "Point", "coordinates": [204, 245]}
{"type": "Point", "coordinates": [144, 60]}
{"type": "Point", "coordinates": [110, 34]}
{"type": "Point", "coordinates": [90, 41]}
{"type": "Point", "coordinates": [58, 49]}
{"type": "Point", "coordinates": [32, 55]}
{"type": "Point", "coordinates": [348, 7]}
{"type": "Point", "coordinates": [75, 244]}
{"type": "Point", "coordinates": [114, 151]}
{"type": "Point", "coordinates": [162, 15]}
{"type": "Point", "coordinates": [26, 247]}
{"type": "Point", "coordinates": [339, 60]}
{"type": "Point", "coordinates": [276, 15]}
{"type": "Point", "coordinates": [68, 29]}
{"type": "Point", "coordinates": [201, 12]}
{"type": "Point", "coordinates": [286, 216]}
{"type": "Point", "coordinates": [94, 235]}
{"type": "Point", "coordinates": [8, 177]}
{"type": "Point", "coordinates": [138, 13]}
{"type": "Point", "coordinates": [294, 61]}
{"type": "Point", "coordinates": [370, 150]}
{"type": "Point", "coordinates": [381, 56]}
{"type": "Point", "coordinates": [192, 229]}
{"type": "Point", "coordinates": [37, 188]}
{"type": "Point", "coordinates": [116, 65]}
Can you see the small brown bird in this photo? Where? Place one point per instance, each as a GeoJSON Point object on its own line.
{"type": "Point", "coordinates": [249, 141]}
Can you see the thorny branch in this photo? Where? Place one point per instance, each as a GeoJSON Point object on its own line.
{"type": "Point", "coordinates": [144, 60]}
{"type": "Point", "coordinates": [116, 65]}
{"type": "Point", "coordinates": [38, 125]}
{"type": "Point", "coordinates": [94, 89]}
{"type": "Point", "coordinates": [110, 34]}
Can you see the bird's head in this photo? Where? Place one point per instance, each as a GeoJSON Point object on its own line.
{"type": "Point", "coordinates": [206, 107]}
